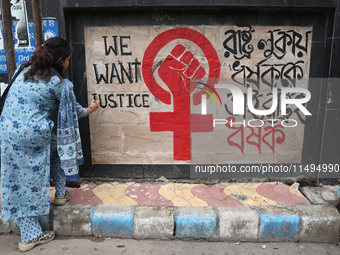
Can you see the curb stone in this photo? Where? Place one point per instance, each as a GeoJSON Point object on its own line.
{"type": "Point", "coordinates": [255, 224]}
{"type": "Point", "coordinates": [196, 222]}
{"type": "Point", "coordinates": [305, 223]}
{"type": "Point", "coordinates": [278, 224]}
{"type": "Point", "coordinates": [322, 195]}
{"type": "Point", "coordinates": [318, 222]}
{"type": "Point", "coordinates": [238, 223]}
{"type": "Point", "coordinates": [154, 222]}
{"type": "Point", "coordinates": [113, 220]}
{"type": "Point", "coordinates": [72, 220]}
{"type": "Point", "coordinates": [4, 225]}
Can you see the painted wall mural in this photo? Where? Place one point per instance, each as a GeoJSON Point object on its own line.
{"type": "Point", "coordinates": [169, 94]}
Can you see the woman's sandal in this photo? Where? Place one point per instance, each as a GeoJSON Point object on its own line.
{"type": "Point", "coordinates": [45, 237]}
{"type": "Point", "coordinates": [62, 200]}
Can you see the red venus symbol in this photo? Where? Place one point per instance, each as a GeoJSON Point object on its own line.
{"type": "Point", "coordinates": [176, 71]}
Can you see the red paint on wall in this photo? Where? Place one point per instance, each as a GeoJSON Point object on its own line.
{"type": "Point", "coordinates": [176, 71]}
{"type": "Point", "coordinates": [274, 133]}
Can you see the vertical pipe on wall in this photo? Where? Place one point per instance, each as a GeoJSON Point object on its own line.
{"type": "Point", "coordinates": [8, 37]}
{"type": "Point", "coordinates": [37, 22]}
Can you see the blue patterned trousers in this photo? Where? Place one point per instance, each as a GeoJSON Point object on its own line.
{"type": "Point", "coordinates": [59, 181]}
{"type": "Point", "coordinates": [30, 227]}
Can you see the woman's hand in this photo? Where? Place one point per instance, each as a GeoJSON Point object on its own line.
{"type": "Point", "coordinates": [94, 105]}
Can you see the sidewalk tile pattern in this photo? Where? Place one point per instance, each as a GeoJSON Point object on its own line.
{"type": "Point", "coordinates": [178, 194]}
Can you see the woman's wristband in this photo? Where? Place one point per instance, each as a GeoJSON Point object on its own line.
{"type": "Point", "coordinates": [91, 108]}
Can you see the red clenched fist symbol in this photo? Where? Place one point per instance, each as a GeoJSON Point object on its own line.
{"type": "Point", "coordinates": [176, 71]}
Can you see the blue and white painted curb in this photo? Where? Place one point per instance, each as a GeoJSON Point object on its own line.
{"type": "Point", "coordinates": [305, 223]}
{"type": "Point", "coordinates": [113, 221]}
{"type": "Point", "coordinates": [337, 188]}
{"type": "Point", "coordinates": [196, 222]}
{"type": "Point", "coordinates": [319, 222]}
{"type": "Point", "coordinates": [277, 224]}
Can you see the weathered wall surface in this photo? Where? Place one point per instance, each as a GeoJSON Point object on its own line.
{"type": "Point", "coordinates": [141, 75]}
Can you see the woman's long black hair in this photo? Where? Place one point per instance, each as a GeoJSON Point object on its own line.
{"type": "Point", "coordinates": [46, 57]}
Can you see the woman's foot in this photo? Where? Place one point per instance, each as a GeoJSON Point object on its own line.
{"type": "Point", "coordinates": [62, 200]}
{"type": "Point", "coordinates": [45, 237]}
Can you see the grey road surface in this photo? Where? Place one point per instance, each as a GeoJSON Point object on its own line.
{"type": "Point", "coordinates": [101, 246]}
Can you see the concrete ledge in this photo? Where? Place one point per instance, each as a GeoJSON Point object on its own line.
{"type": "Point", "coordinates": [154, 222]}
{"type": "Point", "coordinates": [13, 227]}
{"type": "Point", "coordinates": [4, 225]}
{"type": "Point", "coordinates": [202, 3]}
{"type": "Point", "coordinates": [319, 223]}
{"type": "Point", "coordinates": [322, 195]}
{"type": "Point", "coordinates": [74, 220]}
{"type": "Point", "coordinates": [44, 221]}
{"type": "Point", "coordinates": [237, 223]}
{"type": "Point", "coordinates": [305, 223]}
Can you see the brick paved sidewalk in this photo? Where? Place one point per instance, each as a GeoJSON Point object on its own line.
{"type": "Point", "coordinates": [179, 194]}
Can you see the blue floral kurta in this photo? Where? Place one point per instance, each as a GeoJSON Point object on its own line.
{"type": "Point", "coordinates": [25, 138]}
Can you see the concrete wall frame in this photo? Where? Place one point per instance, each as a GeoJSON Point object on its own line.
{"type": "Point", "coordinates": [321, 144]}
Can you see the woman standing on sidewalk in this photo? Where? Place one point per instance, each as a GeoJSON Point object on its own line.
{"type": "Point", "coordinates": [28, 144]}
